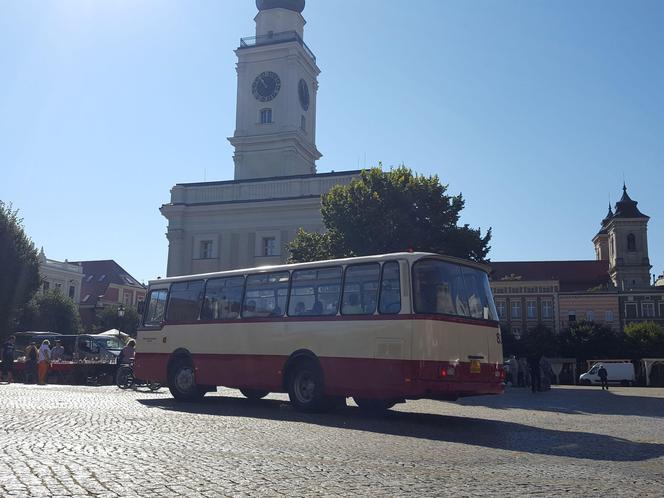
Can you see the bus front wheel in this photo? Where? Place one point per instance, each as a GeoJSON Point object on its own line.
{"type": "Point", "coordinates": [305, 386]}
{"type": "Point", "coordinates": [182, 381]}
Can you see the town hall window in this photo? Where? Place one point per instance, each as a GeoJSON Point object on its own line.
{"type": "Point", "coordinates": [270, 246]}
{"type": "Point", "coordinates": [266, 116]}
{"type": "Point", "coordinates": [631, 242]}
{"type": "Point", "coordinates": [206, 249]}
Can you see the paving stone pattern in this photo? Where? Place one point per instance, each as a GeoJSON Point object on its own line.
{"type": "Point", "coordinates": [99, 441]}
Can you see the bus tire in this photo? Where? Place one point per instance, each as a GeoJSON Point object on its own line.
{"type": "Point", "coordinates": [305, 386]}
{"type": "Point", "coordinates": [182, 380]}
{"type": "Point", "coordinates": [254, 394]}
{"type": "Point", "coordinates": [374, 405]}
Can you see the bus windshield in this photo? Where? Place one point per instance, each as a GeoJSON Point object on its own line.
{"type": "Point", "coordinates": [447, 288]}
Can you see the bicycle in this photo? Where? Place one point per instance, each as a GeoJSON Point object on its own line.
{"type": "Point", "coordinates": [124, 378]}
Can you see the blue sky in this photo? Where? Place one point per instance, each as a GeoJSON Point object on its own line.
{"type": "Point", "coordinates": [534, 110]}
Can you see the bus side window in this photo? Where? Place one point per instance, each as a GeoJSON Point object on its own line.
{"type": "Point", "coordinates": [390, 289]}
{"type": "Point", "coordinates": [223, 298]}
{"type": "Point", "coordinates": [184, 302]}
{"type": "Point", "coordinates": [360, 289]}
{"type": "Point", "coordinates": [315, 292]}
{"type": "Point", "coordinates": [265, 295]}
{"type": "Point", "coordinates": [156, 306]}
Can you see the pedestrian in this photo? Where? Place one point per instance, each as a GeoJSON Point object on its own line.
{"type": "Point", "coordinates": [514, 370]}
{"type": "Point", "coordinates": [44, 361]}
{"type": "Point", "coordinates": [8, 359]}
{"type": "Point", "coordinates": [128, 352]}
{"type": "Point", "coordinates": [31, 355]}
{"type": "Point", "coordinates": [603, 377]}
{"type": "Point", "coordinates": [522, 376]}
{"type": "Point", "coordinates": [535, 374]}
{"type": "Point", "coordinates": [58, 352]}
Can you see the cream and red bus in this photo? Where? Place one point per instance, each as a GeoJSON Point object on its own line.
{"type": "Point", "coordinates": [381, 329]}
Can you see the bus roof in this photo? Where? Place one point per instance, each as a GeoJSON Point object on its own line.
{"type": "Point", "coordinates": [409, 256]}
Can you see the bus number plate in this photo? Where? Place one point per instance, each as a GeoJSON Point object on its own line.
{"type": "Point", "coordinates": [475, 366]}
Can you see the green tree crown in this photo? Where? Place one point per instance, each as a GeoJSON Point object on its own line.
{"type": "Point", "coordinates": [391, 211]}
{"type": "Point", "coordinates": [19, 268]}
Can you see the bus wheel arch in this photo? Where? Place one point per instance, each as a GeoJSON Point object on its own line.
{"type": "Point", "coordinates": [182, 377]}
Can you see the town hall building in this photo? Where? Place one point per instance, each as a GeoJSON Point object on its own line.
{"type": "Point", "coordinates": [276, 190]}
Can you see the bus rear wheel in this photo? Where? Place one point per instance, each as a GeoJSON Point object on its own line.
{"type": "Point", "coordinates": [182, 381]}
{"type": "Point", "coordinates": [305, 386]}
{"type": "Point", "coordinates": [254, 394]}
{"type": "Point", "coordinates": [375, 405]}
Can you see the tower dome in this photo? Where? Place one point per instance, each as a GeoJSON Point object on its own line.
{"type": "Point", "coordinates": [295, 5]}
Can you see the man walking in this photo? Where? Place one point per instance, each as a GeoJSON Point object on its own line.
{"type": "Point", "coordinates": [603, 377]}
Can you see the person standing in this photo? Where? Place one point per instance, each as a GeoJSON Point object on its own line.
{"type": "Point", "coordinates": [58, 352]}
{"type": "Point", "coordinates": [31, 355]}
{"type": "Point", "coordinates": [603, 377]}
{"type": "Point", "coordinates": [8, 359]}
{"type": "Point", "coordinates": [44, 361]}
{"type": "Point", "coordinates": [535, 373]}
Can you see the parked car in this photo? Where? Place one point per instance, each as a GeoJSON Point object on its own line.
{"type": "Point", "coordinates": [617, 373]}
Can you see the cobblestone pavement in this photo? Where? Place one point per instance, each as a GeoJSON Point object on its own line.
{"type": "Point", "coordinates": [100, 441]}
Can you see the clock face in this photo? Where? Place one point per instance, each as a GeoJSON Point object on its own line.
{"type": "Point", "coordinates": [303, 92]}
{"type": "Point", "coordinates": [266, 86]}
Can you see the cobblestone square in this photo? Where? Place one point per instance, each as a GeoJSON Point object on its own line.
{"type": "Point", "coordinates": [99, 441]}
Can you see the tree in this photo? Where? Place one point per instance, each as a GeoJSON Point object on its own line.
{"type": "Point", "coordinates": [645, 338]}
{"type": "Point", "coordinates": [541, 341]}
{"type": "Point", "coordinates": [108, 318]}
{"type": "Point", "coordinates": [19, 271]}
{"type": "Point", "coordinates": [588, 340]}
{"type": "Point", "coordinates": [391, 211]}
{"type": "Point", "coordinates": [51, 311]}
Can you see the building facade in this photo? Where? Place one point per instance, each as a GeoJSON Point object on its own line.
{"type": "Point", "coordinates": [62, 276]}
{"type": "Point", "coordinates": [248, 221]}
{"type": "Point", "coordinates": [613, 290]}
{"type": "Point", "coordinates": [106, 283]}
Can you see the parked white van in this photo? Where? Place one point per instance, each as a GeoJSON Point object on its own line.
{"type": "Point", "coordinates": [617, 373]}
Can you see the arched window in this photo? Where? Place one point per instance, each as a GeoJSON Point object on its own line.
{"type": "Point", "coordinates": [266, 116]}
{"type": "Point", "coordinates": [631, 242]}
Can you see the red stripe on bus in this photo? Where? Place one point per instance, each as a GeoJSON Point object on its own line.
{"type": "Point", "coordinates": [364, 377]}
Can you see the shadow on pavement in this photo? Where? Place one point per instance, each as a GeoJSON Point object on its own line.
{"type": "Point", "coordinates": [508, 436]}
{"type": "Point", "coordinates": [573, 400]}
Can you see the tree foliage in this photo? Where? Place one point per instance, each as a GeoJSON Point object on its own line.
{"type": "Point", "coordinates": [646, 338]}
{"type": "Point", "coordinates": [108, 318]}
{"type": "Point", "coordinates": [51, 311]}
{"type": "Point", "coordinates": [588, 340]}
{"type": "Point", "coordinates": [19, 268]}
{"type": "Point", "coordinates": [391, 211]}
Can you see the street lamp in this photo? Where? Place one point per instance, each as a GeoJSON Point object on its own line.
{"type": "Point", "coordinates": [121, 312]}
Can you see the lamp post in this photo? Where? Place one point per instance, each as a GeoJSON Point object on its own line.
{"type": "Point", "coordinates": [121, 312]}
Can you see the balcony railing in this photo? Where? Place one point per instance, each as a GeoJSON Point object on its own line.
{"type": "Point", "coordinates": [274, 38]}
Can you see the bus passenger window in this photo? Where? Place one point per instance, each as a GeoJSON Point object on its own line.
{"type": "Point", "coordinates": [390, 289]}
{"type": "Point", "coordinates": [361, 289]}
{"type": "Point", "coordinates": [223, 298]}
{"type": "Point", "coordinates": [316, 290]}
{"type": "Point", "coordinates": [155, 308]}
{"type": "Point", "coordinates": [265, 295]}
{"type": "Point", "coordinates": [184, 302]}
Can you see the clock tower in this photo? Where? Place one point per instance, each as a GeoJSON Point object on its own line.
{"type": "Point", "coordinates": [275, 130]}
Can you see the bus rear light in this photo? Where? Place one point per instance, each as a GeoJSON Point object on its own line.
{"type": "Point", "coordinates": [447, 372]}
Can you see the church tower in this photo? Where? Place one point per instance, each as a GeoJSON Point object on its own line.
{"type": "Point", "coordinates": [275, 131]}
{"type": "Point", "coordinates": [627, 236]}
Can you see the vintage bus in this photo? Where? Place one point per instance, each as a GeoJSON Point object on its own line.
{"type": "Point", "coordinates": [381, 329]}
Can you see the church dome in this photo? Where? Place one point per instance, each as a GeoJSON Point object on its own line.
{"type": "Point", "coordinates": [626, 207]}
{"type": "Point", "coordinates": [296, 5]}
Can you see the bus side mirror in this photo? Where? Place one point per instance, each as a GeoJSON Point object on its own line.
{"type": "Point", "coordinates": [141, 307]}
